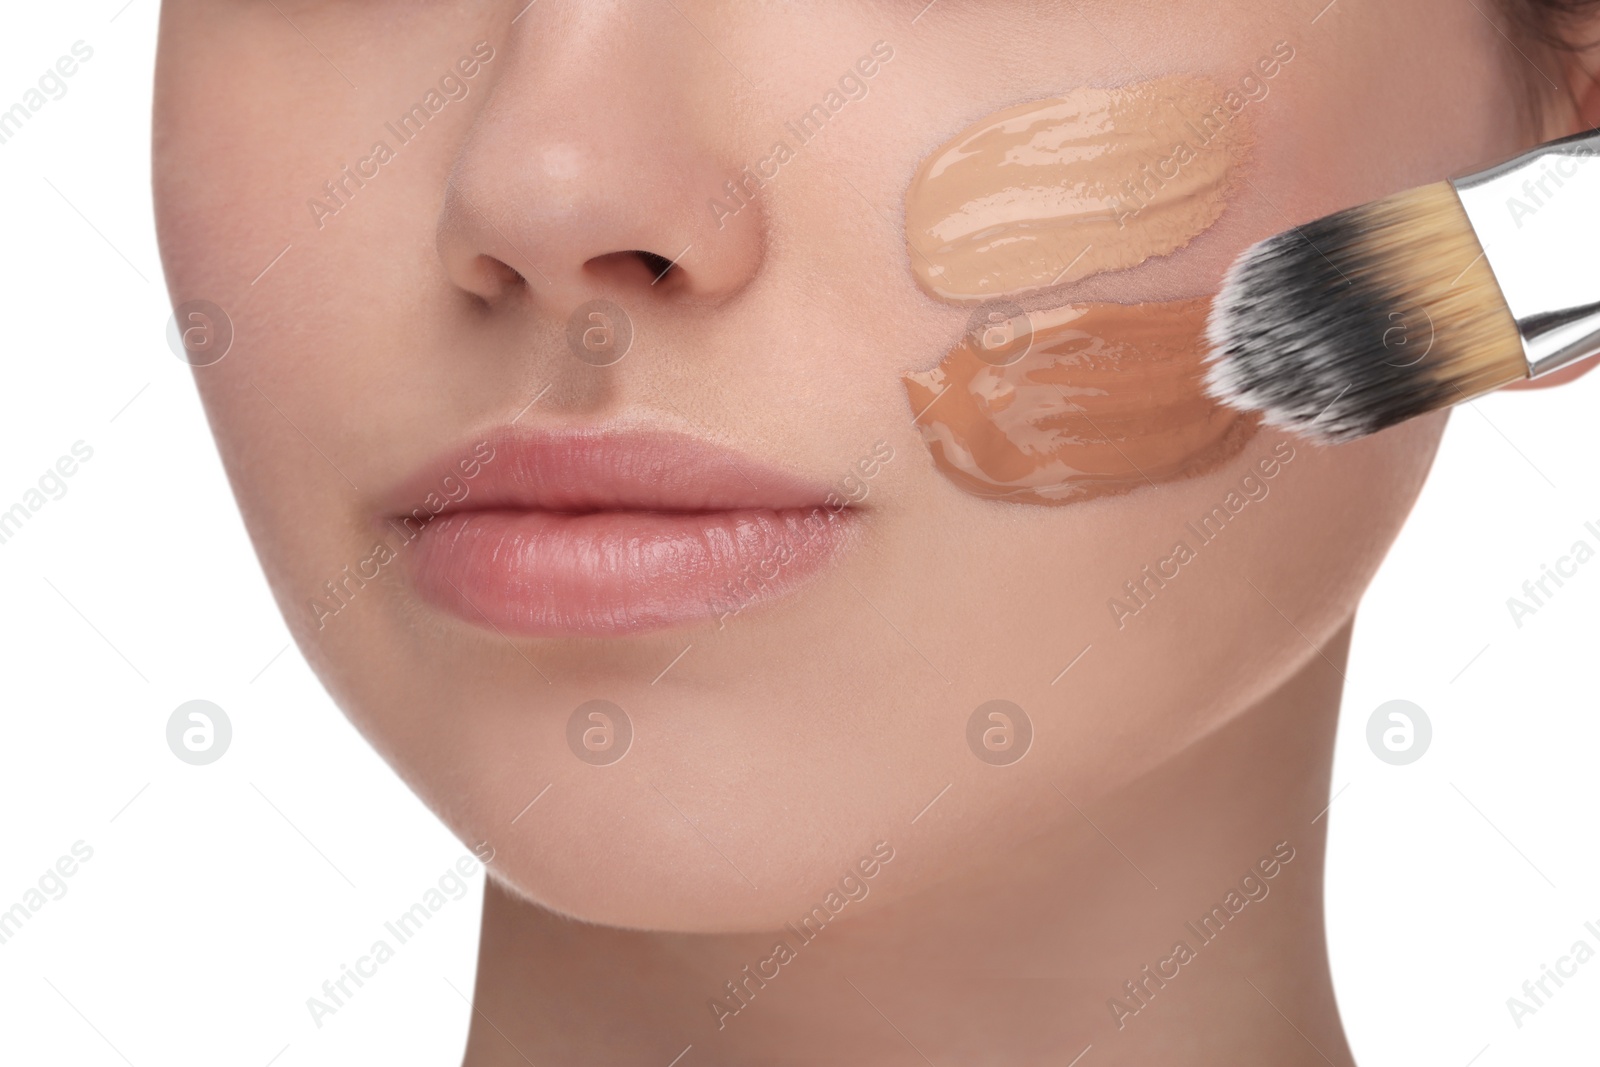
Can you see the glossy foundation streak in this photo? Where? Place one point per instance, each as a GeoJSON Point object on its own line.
{"type": "Point", "coordinates": [1052, 191]}
{"type": "Point", "coordinates": [1064, 405]}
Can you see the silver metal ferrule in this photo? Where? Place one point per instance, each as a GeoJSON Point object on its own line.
{"type": "Point", "coordinates": [1538, 219]}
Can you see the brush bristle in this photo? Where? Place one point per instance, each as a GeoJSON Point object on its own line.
{"type": "Point", "coordinates": [1366, 318]}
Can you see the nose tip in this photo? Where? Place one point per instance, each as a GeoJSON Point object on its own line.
{"type": "Point", "coordinates": [532, 214]}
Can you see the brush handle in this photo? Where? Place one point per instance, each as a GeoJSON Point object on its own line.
{"type": "Point", "coordinates": [1537, 218]}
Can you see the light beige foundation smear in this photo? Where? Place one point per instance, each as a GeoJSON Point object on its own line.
{"type": "Point", "coordinates": [1082, 401]}
{"type": "Point", "coordinates": [1052, 191]}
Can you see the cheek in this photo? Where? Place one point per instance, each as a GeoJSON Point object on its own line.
{"type": "Point", "coordinates": [1159, 673]}
{"type": "Point", "coordinates": [1355, 120]}
{"type": "Point", "coordinates": [318, 366]}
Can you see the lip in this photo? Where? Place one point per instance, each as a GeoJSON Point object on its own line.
{"type": "Point", "coordinates": [606, 533]}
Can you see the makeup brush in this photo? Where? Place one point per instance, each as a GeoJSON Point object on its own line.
{"type": "Point", "coordinates": [1377, 314]}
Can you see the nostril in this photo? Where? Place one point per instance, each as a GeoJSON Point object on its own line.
{"type": "Point", "coordinates": [489, 278]}
{"type": "Point", "coordinates": [635, 267]}
{"type": "Point", "coordinates": [504, 273]}
{"type": "Point", "coordinates": [659, 265]}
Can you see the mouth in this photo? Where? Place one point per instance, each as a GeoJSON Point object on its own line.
{"type": "Point", "coordinates": [591, 533]}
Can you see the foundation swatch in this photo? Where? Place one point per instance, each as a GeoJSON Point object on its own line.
{"type": "Point", "coordinates": [1052, 191]}
{"type": "Point", "coordinates": [1052, 407]}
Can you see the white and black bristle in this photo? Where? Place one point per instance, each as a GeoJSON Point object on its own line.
{"type": "Point", "coordinates": [1363, 319]}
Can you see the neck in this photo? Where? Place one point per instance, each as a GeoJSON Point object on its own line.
{"type": "Point", "coordinates": [1131, 930]}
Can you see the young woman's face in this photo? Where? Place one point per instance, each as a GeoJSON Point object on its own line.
{"type": "Point", "coordinates": [713, 499]}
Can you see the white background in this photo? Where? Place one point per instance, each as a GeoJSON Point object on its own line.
{"type": "Point", "coordinates": [219, 898]}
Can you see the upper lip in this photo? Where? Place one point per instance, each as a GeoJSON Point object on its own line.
{"type": "Point", "coordinates": [591, 470]}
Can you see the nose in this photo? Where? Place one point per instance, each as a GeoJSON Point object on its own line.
{"type": "Point", "coordinates": [598, 165]}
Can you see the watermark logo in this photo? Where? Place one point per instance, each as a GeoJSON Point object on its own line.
{"type": "Point", "coordinates": [1537, 591]}
{"type": "Point", "coordinates": [999, 733]}
{"type": "Point", "coordinates": [1252, 887]}
{"type": "Point", "coordinates": [51, 886]}
{"type": "Point", "coordinates": [199, 333]}
{"type": "Point", "coordinates": [199, 732]}
{"type": "Point", "coordinates": [854, 885]}
{"type": "Point", "coordinates": [796, 134]}
{"type": "Point", "coordinates": [1540, 190]}
{"type": "Point", "coordinates": [454, 84]}
{"type": "Point", "coordinates": [339, 591]}
{"type": "Point", "coordinates": [599, 333]}
{"type": "Point", "coordinates": [1140, 591]}
{"type": "Point", "coordinates": [1000, 333]}
{"type": "Point", "coordinates": [599, 732]}
{"type": "Point", "coordinates": [452, 884]}
{"type": "Point", "coordinates": [1566, 967]}
{"type": "Point", "coordinates": [1399, 732]}
{"type": "Point", "coordinates": [1408, 339]}
{"type": "Point", "coordinates": [50, 86]}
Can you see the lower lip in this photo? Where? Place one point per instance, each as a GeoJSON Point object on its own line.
{"type": "Point", "coordinates": [548, 574]}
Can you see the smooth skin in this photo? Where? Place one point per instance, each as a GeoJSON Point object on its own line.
{"type": "Point", "coordinates": [1175, 753]}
